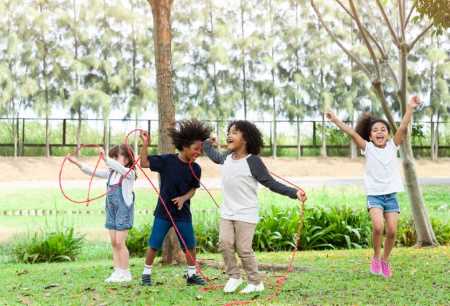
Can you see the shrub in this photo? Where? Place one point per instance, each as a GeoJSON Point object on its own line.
{"type": "Point", "coordinates": [137, 240]}
{"type": "Point", "coordinates": [206, 227]}
{"type": "Point", "coordinates": [406, 233]}
{"type": "Point", "coordinates": [56, 246]}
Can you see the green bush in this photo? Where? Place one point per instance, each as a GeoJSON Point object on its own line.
{"type": "Point", "coordinates": [206, 227]}
{"type": "Point", "coordinates": [137, 240]}
{"type": "Point", "coordinates": [56, 246]}
{"type": "Point", "coordinates": [406, 233]}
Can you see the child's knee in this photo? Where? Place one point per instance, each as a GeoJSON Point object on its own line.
{"type": "Point", "coordinates": [391, 233]}
{"type": "Point", "coordinates": [244, 251]}
{"type": "Point", "coordinates": [226, 244]}
{"type": "Point", "coordinates": [377, 229]}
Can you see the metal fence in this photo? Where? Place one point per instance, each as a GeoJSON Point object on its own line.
{"type": "Point", "coordinates": [292, 138]}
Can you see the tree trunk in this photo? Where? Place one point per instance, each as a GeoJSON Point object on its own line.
{"type": "Point", "coordinates": [299, 143]}
{"type": "Point", "coordinates": [78, 136]}
{"type": "Point", "coordinates": [323, 149]}
{"type": "Point", "coordinates": [244, 77]}
{"type": "Point", "coordinates": [47, 138]}
{"type": "Point", "coordinates": [424, 230]}
{"type": "Point", "coordinates": [105, 135]}
{"type": "Point", "coordinates": [14, 133]}
{"type": "Point", "coordinates": [162, 38]}
{"type": "Point", "coordinates": [136, 124]}
{"type": "Point", "coordinates": [433, 139]}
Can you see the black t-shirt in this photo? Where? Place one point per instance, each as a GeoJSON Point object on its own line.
{"type": "Point", "coordinates": [176, 179]}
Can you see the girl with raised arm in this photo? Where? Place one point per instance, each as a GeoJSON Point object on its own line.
{"type": "Point", "coordinates": [382, 177]}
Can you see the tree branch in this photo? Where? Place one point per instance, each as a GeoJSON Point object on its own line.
{"type": "Point", "coordinates": [401, 17]}
{"type": "Point", "coordinates": [351, 55]}
{"type": "Point", "coordinates": [411, 11]}
{"type": "Point", "coordinates": [411, 45]}
{"type": "Point", "coordinates": [372, 38]}
{"type": "Point", "coordinates": [377, 86]}
{"type": "Point", "coordinates": [392, 73]}
{"type": "Point", "coordinates": [365, 39]}
{"type": "Point", "coordinates": [388, 23]}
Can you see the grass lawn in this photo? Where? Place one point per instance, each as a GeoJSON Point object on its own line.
{"type": "Point", "coordinates": [331, 277]}
{"type": "Point", "coordinates": [437, 199]}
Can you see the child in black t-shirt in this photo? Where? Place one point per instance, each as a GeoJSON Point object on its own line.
{"type": "Point", "coordinates": [177, 187]}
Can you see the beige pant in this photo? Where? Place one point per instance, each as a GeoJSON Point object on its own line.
{"type": "Point", "coordinates": [238, 236]}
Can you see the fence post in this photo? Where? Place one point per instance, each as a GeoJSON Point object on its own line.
{"type": "Point", "coordinates": [314, 133]}
{"type": "Point", "coordinates": [64, 132]}
{"type": "Point", "coordinates": [218, 132]}
{"type": "Point", "coordinates": [22, 149]}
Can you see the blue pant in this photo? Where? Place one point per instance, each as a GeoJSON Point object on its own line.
{"type": "Point", "coordinates": [161, 227]}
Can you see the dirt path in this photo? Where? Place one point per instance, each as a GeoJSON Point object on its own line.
{"type": "Point", "coordinates": [47, 169]}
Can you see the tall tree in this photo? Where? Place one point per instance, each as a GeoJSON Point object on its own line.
{"type": "Point", "coordinates": [46, 68]}
{"type": "Point", "coordinates": [162, 37]}
{"type": "Point", "coordinates": [379, 69]}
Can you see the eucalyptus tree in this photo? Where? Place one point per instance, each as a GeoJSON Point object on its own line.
{"type": "Point", "coordinates": [378, 67]}
{"type": "Point", "coordinates": [291, 66]}
{"type": "Point", "coordinates": [16, 84]}
{"type": "Point", "coordinates": [138, 50]}
{"type": "Point", "coordinates": [45, 67]}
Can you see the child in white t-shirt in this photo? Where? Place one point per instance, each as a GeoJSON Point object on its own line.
{"type": "Point", "coordinates": [382, 178]}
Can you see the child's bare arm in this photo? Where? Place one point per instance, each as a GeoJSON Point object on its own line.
{"type": "Point", "coordinates": [360, 142]}
{"type": "Point", "coordinates": [400, 135]}
{"type": "Point", "coordinates": [143, 154]}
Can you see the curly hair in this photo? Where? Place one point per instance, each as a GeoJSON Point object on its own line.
{"type": "Point", "coordinates": [124, 150]}
{"type": "Point", "coordinates": [187, 132]}
{"type": "Point", "coordinates": [251, 135]}
{"type": "Point", "coordinates": [365, 124]}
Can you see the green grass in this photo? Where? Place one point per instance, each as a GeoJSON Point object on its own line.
{"type": "Point", "coordinates": [437, 199]}
{"type": "Point", "coordinates": [337, 277]}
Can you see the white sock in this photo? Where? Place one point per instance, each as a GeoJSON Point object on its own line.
{"type": "Point", "coordinates": [147, 270]}
{"type": "Point", "coordinates": [191, 270]}
{"type": "Point", "coordinates": [123, 271]}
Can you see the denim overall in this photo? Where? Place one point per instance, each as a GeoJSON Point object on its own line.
{"type": "Point", "coordinates": [119, 216]}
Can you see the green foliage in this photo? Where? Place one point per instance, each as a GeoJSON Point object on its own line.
{"type": "Point", "coordinates": [438, 10]}
{"type": "Point", "coordinates": [137, 240]}
{"type": "Point", "coordinates": [55, 246]}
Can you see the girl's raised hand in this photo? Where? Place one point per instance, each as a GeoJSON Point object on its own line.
{"type": "Point", "coordinates": [414, 102]}
{"type": "Point", "coordinates": [301, 195]}
{"type": "Point", "coordinates": [73, 160]}
{"type": "Point", "coordinates": [330, 116]}
{"type": "Point", "coordinates": [144, 136]}
{"type": "Point", "coordinates": [213, 140]}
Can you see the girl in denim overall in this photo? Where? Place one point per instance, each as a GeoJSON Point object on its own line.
{"type": "Point", "coordinates": [119, 207]}
{"type": "Point", "coordinates": [382, 178]}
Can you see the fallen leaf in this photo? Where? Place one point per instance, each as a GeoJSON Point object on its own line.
{"type": "Point", "coordinates": [21, 272]}
{"type": "Point", "coordinates": [51, 286]}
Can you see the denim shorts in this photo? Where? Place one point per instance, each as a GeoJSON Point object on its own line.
{"type": "Point", "coordinates": [161, 227]}
{"type": "Point", "coordinates": [386, 202]}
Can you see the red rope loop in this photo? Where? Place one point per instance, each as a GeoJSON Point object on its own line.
{"type": "Point", "coordinates": [280, 280]}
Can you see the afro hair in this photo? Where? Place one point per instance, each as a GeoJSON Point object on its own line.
{"type": "Point", "coordinates": [187, 132]}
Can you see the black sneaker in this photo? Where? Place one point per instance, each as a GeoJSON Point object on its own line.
{"type": "Point", "coordinates": [195, 280]}
{"type": "Point", "coordinates": [146, 279]}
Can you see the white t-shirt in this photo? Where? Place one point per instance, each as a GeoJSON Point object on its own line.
{"type": "Point", "coordinates": [382, 172]}
{"type": "Point", "coordinates": [240, 191]}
